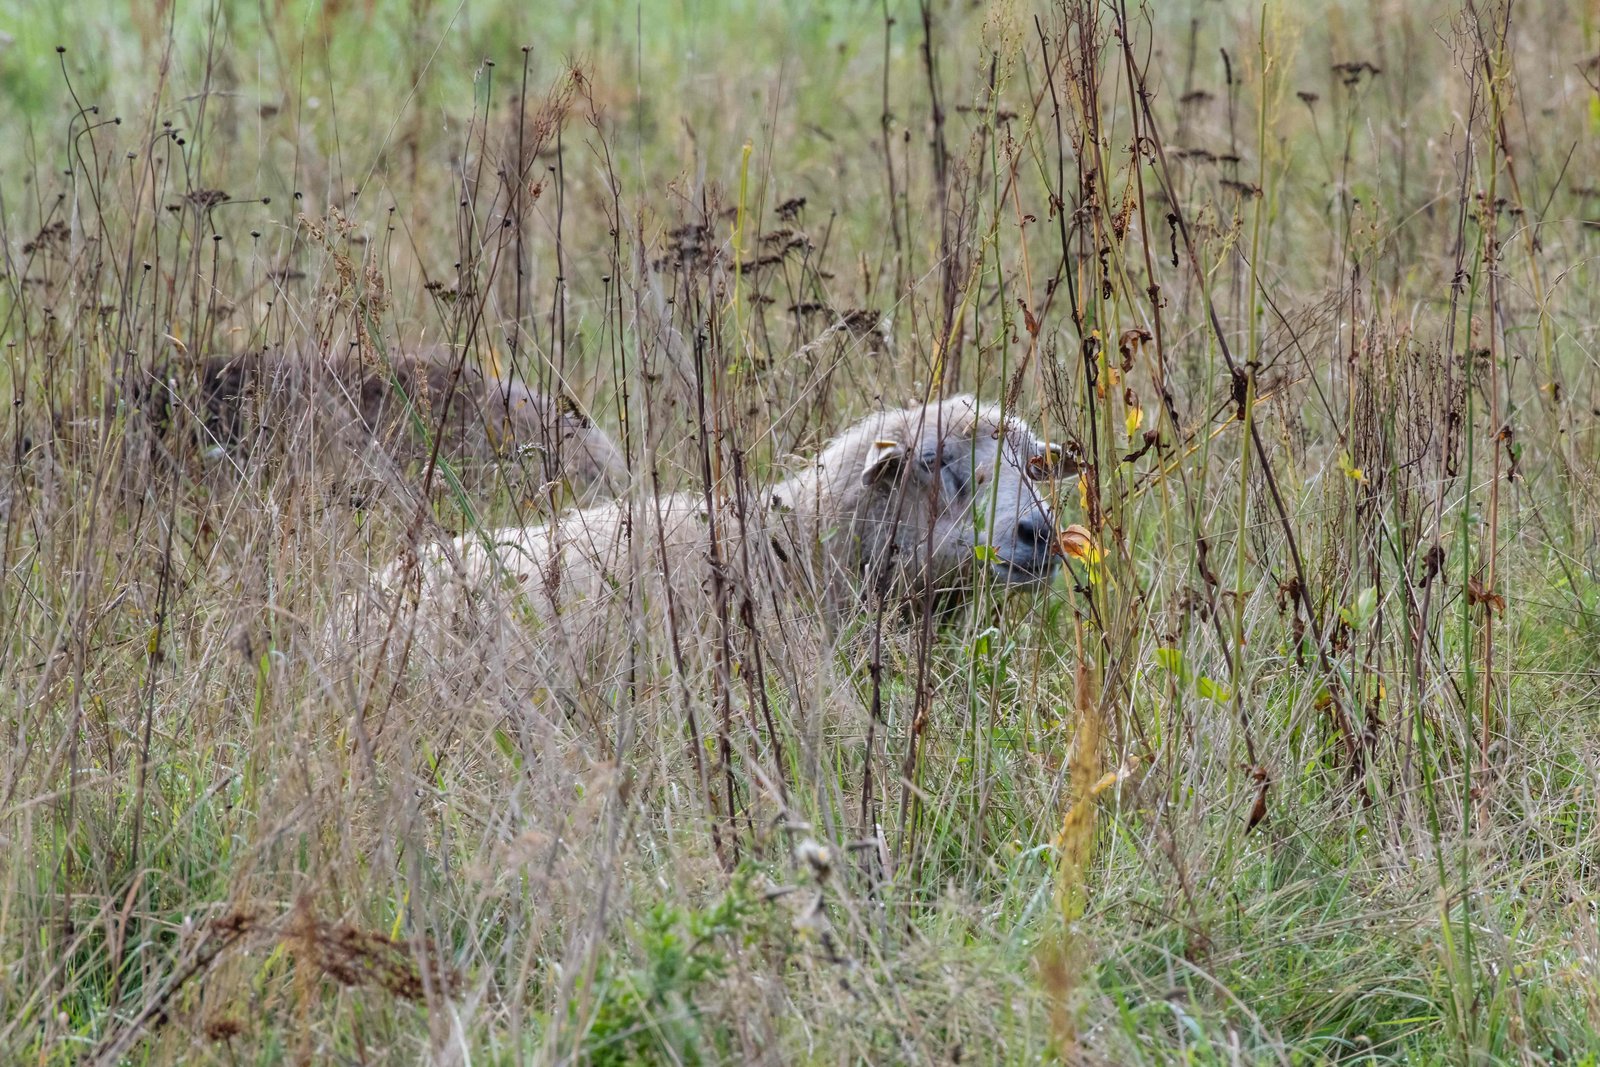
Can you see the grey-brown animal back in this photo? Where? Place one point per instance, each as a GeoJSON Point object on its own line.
{"type": "Point", "coordinates": [235, 404]}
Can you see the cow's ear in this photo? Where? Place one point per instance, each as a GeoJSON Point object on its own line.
{"type": "Point", "coordinates": [1056, 461]}
{"type": "Point", "coordinates": [884, 460]}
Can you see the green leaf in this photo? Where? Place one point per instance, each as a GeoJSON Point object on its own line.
{"type": "Point", "coordinates": [1357, 615]}
{"type": "Point", "coordinates": [1173, 660]}
{"type": "Point", "coordinates": [503, 742]}
{"type": "Point", "coordinates": [1207, 688]}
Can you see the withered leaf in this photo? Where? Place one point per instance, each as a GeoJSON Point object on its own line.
{"type": "Point", "coordinates": [1492, 602]}
{"type": "Point", "coordinates": [1129, 344]}
{"type": "Point", "coordinates": [1078, 543]}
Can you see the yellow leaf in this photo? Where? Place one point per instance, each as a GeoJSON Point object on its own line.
{"type": "Point", "coordinates": [1135, 419]}
{"type": "Point", "coordinates": [1111, 778]}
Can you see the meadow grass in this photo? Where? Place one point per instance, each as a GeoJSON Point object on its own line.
{"type": "Point", "coordinates": [1297, 765]}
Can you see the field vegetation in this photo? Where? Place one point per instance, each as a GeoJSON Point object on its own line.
{"type": "Point", "coordinates": [1294, 762]}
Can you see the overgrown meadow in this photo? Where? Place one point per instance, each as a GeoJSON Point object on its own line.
{"type": "Point", "coordinates": [1294, 763]}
